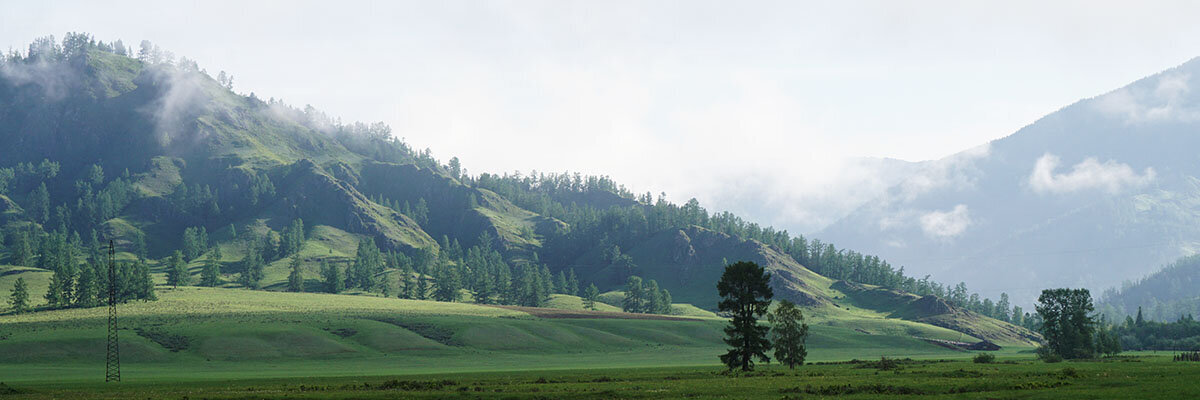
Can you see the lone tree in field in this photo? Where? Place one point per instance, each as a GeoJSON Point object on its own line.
{"type": "Point", "coordinates": [589, 297]}
{"type": "Point", "coordinates": [295, 280]}
{"type": "Point", "coordinates": [788, 333]}
{"type": "Point", "coordinates": [20, 296]}
{"type": "Point", "coordinates": [1067, 323]}
{"type": "Point", "coordinates": [746, 293]}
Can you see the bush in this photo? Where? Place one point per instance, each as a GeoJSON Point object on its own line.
{"type": "Point", "coordinates": [984, 358]}
{"type": "Point", "coordinates": [1047, 355]}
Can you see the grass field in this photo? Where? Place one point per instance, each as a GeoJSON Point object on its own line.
{"type": "Point", "coordinates": [1013, 377]}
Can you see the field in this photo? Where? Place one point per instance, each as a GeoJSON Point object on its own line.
{"type": "Point", "coordinates": [1013, 377]}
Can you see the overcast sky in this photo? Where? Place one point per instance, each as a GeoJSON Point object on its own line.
{"type": "Point", "coordinates": [750, 107]}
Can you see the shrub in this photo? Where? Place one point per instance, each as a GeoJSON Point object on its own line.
{"type": "Point", "coordinates": [984, 358]}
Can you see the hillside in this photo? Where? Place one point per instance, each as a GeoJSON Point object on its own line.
{"type": "Point", "coordinates": [159, 156]}
{"type": "Point", "coordinates": [1101, 191]}
{"type": "Point", "coordinates": [1165, 296]}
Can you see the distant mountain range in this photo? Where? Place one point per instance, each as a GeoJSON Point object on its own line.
{"type": "Point", "coordinates": [1104, 190]}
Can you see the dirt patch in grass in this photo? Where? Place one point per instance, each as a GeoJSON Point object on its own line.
{"type": "Point", "coordinates": [558, 313]}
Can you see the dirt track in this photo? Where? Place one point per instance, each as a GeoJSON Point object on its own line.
{"type": "Point", "coordinates": [556, 313]}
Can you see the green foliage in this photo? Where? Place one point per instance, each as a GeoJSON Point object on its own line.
{"type": "Point", "coordinates": [332, 277]}
{"type": "Point", "coordinates": [589, 297]}
{"type": "Point", "coordinates": [19, 299]}
{"type": "Point", "coordinates": [195, 241]}
{"type": "Point", "coordinates": [635, 298]}
{"type": "Point", "coordinates": [1067, 322]}
{"type": "Point", "coordinates": [252, 268]}
{"type": "Point", "coordinates": [295, 279]}
{"type": "Point", "coordinates": [984, 358]}
{"type": "Point", "coordinates": [368, 262]}
{"type": "Point", "coordinates": [746, 293]}
{"type": "Point", "coordinates": [210, 276]}
{"type": "Point", "coordinates": [292, 238]}
{"type": "Point", "coordinates": [177, 272]}
{"type": "Point", "coordinates": [447, 283]}
{"type": "Point", "coordinates": [788, 334]}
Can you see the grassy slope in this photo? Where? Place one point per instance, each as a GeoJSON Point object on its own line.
{"type": "Point", "coordinates": [233, 332]}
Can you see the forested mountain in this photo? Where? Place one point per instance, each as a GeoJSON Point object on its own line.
{"type": "Point", "coordinates": [1165, 296]}
{"type": "Point", "coordinates": [1101, 191]}
{"type": "Point", "coordinates": [107, 143]}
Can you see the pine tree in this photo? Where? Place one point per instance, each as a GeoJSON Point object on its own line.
{"type": "Point", "coordinates": [86, 290]}
{"type": "Point", "coordinates": [447, 283]}
{"type": "Point", "coordinates": [19, 299]}
{"type": "Point", "coordinates": [295, 279]}
{"type": "Point", "coordinates": [789, 332]}
{"type": "Point", "coordinates": [422, 287]}
{"type": "Point", "coordinates": [589, 297]}
{"type": "Point", "coordinates": [560, 283]}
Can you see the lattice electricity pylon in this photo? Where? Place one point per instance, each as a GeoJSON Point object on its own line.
{"type": "Point", "coordinates": [112, 364]}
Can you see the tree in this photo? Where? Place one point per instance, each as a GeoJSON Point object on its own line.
{"type": "Point", "coordinates": [455, 168]}
{"type": "Point", "coordinates": [211, 274]}
{"type": "Point", "coordinates": [1002, 308]}
{"type": "Point", "coordinates": [589, 297]}
{"type": "Point", "coordinates": [1067, 324]}
{"type": "Point", "coordinates": [332, 278]}
{"type": "Point", "coordinates": [295, 280]}
{"type": "Point", "coordinates": [19, 300]}
{"type": "Point", "coordinates": [252, 269]}
{"type": "Point", "coordinates": [654, 300]}
{"type": "Point", "coordinates": [39, 204]}
{"type": "Point", "coordinates": [177, 273]}
{"type": "Point", "coordinates": [446, 284]}
{"type": "Point", "coordinates": [87, 291]}
{"type": "Point", "coordinates": [635, 299]}
{"type": "Point", "coordinates": [746, 293]}
{"type": "Point", "coordinates": [789, 333]}
{"type": "Point", "coordinates": [572, 283]}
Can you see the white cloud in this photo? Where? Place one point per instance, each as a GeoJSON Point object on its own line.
{"type": "Point", "coordinates": [1091, 174]}
{"type": "Point", "coordinates": [1164, 99]}
{"type": "Point", "coordinates": [946, 224]}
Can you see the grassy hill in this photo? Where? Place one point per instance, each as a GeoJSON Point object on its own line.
{"type": "Point", "coordinates": [215, 333]}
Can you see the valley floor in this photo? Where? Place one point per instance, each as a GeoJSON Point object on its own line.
{"type": "Point", "coordinates": [1019, 376]}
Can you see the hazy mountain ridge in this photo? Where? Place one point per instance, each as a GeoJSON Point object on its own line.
{"type": "Point", "coordinates": [1100, 191]}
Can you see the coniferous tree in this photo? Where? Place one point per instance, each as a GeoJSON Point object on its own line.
{"type": "Point", "coordinates": [21, 252]}
{"type": "Point", "coordinates": [635, 298]}
{"type": "Point", "coordinates": [87, 292]}
{"type": "Point", "coordinates": [39, 204]}
{"type": "Point", "coordinates": [589, 297]}
{"type": "Point", "coordinates": [788, 332]}
{"type": "Point", "coordinates": [446, 284]}
{"type": "Point", "coordinates": [666, 303]}
{"type": "Point", "coordinates": [295, 279]}
{"type": "Point", "coordinates": [560, 283]}
{"type": "Point", "coordinates": [211, 274]}
{"type": "Point", "coordinates": [746, 293]}
{"type": "Point", "coordinates": [653, 296]}
{"type": "Point", "coordinates": [422, 287]}
{"type": "Point", "coordinates": [252, 269]}
{"type": "Point", "coordinates": [332, 277]}
{"type": "Point", "coordinates": [408, 288]}
{"type": "Point", "coordinates": [19, 299]}
{"type": "Point", "coordinates": [177, 273]}
{"type": "Point", "coordinates": [572, 283]}
{"type": "Point", "coordinates": [141, 284]}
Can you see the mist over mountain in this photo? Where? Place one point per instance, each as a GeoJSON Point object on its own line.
{"type": "Point", "coordinates": [1101, 191]}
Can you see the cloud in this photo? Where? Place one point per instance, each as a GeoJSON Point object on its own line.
{"type": "Point", "coordinates": [946, 224]}
{"type": "Point", "coordinates": [1163, 99]}
{"type": "Point", "coordinates": [1109, 176]}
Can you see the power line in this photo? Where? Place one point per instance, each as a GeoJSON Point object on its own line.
{"type": "Point", "coordinates": [112, 363]}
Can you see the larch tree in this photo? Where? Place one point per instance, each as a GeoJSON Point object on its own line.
{"type": "Point", "coordinates": [19, 299]}
{"type": "Point", "coordinates": [295, 279]}
{"type": "Point", "coordinates": [788, 334]}
{"type": "Point", "coordinates": [746, 293]}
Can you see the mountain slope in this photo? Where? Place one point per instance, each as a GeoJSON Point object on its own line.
{"type": "Point", "coordinates": [158, 157]}
{"type": "Point", "coordinates": [1098, 192]}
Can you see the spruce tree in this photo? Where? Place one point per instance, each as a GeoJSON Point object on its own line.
{"type": "Point", "coordinates": [788, 334]}
{"type": "Point", "coordinates": [447, 283]}
{"type": "Point", "coordinates": [295, 279]}
{"type": "Point", "coordinates": [19, 299]}
{"type": "Point", "coordinates": [746, 293]}
{"type": "Point", "coordinates": [86, 291]}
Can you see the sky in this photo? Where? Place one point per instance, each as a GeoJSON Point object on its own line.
{"type": "Point", "coordinates": [765, 109]}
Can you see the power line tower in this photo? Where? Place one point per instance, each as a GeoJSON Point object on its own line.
{"type": "Point", "coordinates": [112, 364]}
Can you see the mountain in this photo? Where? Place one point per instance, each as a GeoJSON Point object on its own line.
{"type": "Point", "coordinates": [157, 156]}
{"type": "Point", "coordinates": [1165, 296]}
{"type": "Point", "coordinates": [1101, 191]}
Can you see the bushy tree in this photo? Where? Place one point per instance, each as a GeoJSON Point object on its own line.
{"type": "Point", "coordinates": [252, 269]}
{"type": "Point", "coordinates": [746, 293]}
{"type": "Point", "coordinates": [1067, 323]}
{"type": "Point", "coordinates": [635, 299]}
{"type": "Point", "coordinates": [211, 274]}
{"type": "Point", "coordinates": [788, 334]}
